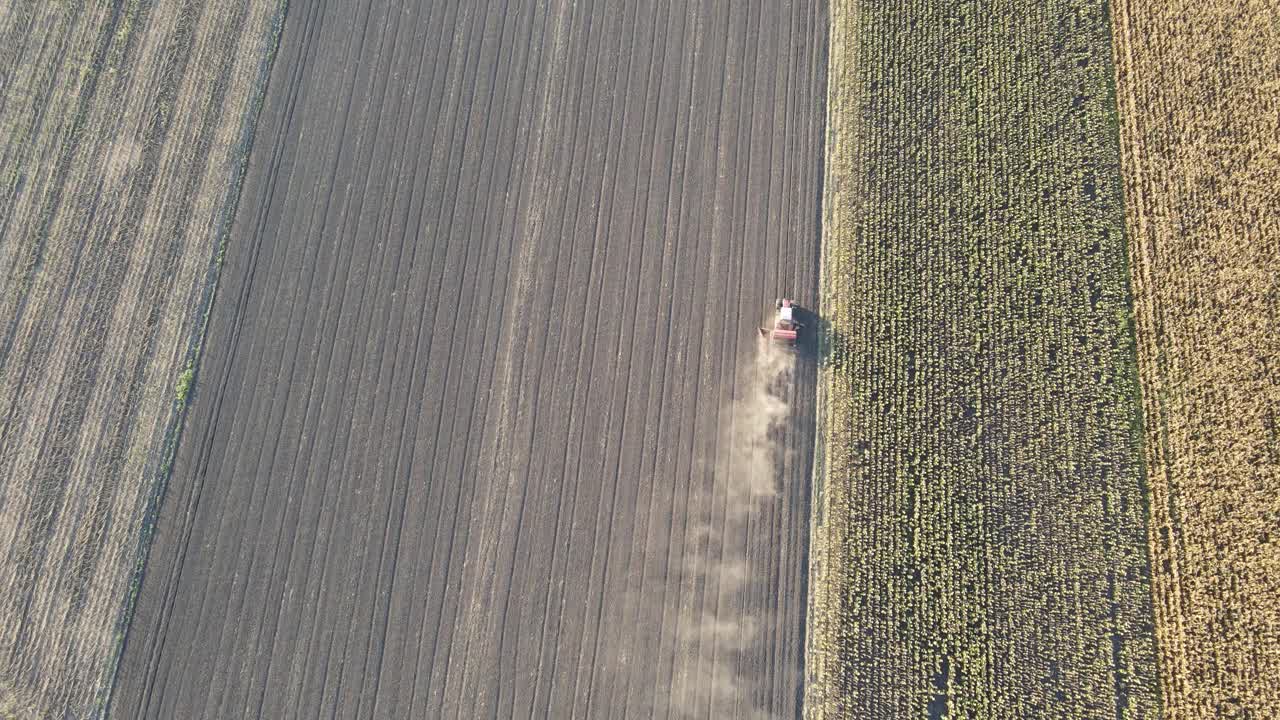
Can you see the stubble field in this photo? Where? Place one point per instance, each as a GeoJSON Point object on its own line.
{"type": "Point", "coordinates": [123, 132]}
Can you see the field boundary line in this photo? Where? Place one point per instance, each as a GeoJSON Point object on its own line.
{"type": "Point", "coordinates": [178, 413]}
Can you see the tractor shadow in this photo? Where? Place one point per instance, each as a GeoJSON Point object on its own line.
{"type": "Point", "coordinates": [820, 342]}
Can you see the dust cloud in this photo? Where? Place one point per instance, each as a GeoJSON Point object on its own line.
{"type": "Point", "coordinates": [721, 662]}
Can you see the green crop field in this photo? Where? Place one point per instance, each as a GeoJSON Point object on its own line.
{"type": "Point", "coordinates": [979, 540]}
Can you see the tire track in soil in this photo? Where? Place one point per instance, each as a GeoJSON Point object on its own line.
{"type": "Point", "coordinates": [485, 310]}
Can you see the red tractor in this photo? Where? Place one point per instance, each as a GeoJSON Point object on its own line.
{"type": "Point", "coordinates": [785, 326]}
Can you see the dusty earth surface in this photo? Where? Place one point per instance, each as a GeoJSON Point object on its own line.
{"type": "Point", "coordinates": [481, 429]}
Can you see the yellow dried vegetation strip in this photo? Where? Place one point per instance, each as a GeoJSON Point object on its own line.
{"type": "Point", "coordinates": [123, 130]}
{"type": "Point", "coordinates": [978, 545]}
{"type": "Point", "coordinates": [1198, 86]}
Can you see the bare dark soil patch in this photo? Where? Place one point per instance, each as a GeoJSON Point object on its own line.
{"type": "Point", "coordinates": [458, 444]}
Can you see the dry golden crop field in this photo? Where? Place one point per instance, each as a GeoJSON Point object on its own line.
{"type": "Point", "coordinates": [1198, 87]}
{"type": "Point", "coordinates": [123, 133]}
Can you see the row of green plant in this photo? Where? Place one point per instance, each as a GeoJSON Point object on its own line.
{"type": "Point", "coordinates": [979, 546]}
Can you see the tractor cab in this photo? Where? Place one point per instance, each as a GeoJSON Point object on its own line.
{"type": "Point", "coordinates": [786, 328]}
{"type": "Point", "coordinates": [786, 316]}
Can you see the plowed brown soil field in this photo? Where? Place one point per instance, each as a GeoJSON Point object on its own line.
{"type": "Point", "coordinates": [480, 430]}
